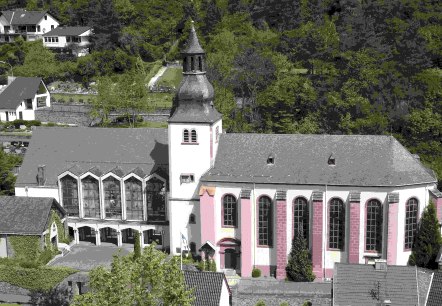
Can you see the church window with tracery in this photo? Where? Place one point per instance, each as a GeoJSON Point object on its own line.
{"type": "Point", "coordinates": [336, 224]}
{"type": "Point", "coordinates": [112, 198]}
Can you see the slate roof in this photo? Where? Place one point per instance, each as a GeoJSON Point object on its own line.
{"type": "Point", "coordinates": [207, 286]}
{"type": "Point", "coordinates": [361, 160]}
{"type": "Point", "coordinates": [193, 45]}
{"type": "Point", "coordinates": [18, 17]}
{"type": "Point", "coordinates": [20, 89]}
{"type": "Point", "coordinates": [25, 215]}
{"type": "Point", "coordinates": [435, 295]}
{"type": "Point", "coordinates": [67, 31]}
{"type": "Point", "coordinates": [355, 284]}
{"type": "Point", "coordinates": [100, 150]}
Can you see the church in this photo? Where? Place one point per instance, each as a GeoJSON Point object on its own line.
{"type": "Point", "coordinates": [238, 198]}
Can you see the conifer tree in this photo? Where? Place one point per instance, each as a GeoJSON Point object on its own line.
{"type": "Point", "coordinates": [299, 267]}
{"type": "Point", "coordinates": [427, 240]}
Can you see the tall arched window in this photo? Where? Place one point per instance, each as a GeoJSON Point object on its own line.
{"type": "Point", "coordinates": [112, 198]}
{"type": "Point", "coordinates": [185, 135]}
{"type": "Point", "coordinates": [91, 197]}
{"type": "Point", "coordinates": [373, 234]}
{"type": "Point", "coordinates": [230, 211]}
{"type": "Point", "coordinates": [337, 224]}
{"type": "Point", "coordinates": [301, 217]}
{"type": "Point", "coordinates": [134, 199]}
{"type": "Point", "coordinates": [156, 200]}
{"type": "Point", "coordinates": [194, 136]}
{"type": "Point", "coordinates": [411, 211]}
{"type": "Point", "coordinates": [69, 192]}
{"type": "Point", "coordinates": [265, 233]}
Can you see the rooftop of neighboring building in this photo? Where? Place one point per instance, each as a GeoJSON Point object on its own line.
{"type": "Point", "coordinates": [26, 215]}
{"type": "Point", "coordinates": [142, 151]}
{"type": "Point", "coordinates": [23, 17]}
{"type": "Point", "coordinates": [67, 31]}
{"type": "Point", "coordinates": [20, 89]}
{"type": "Point", "coordinates": [348, 160]}
{"type": "Point", "coordinates": [207, 286]}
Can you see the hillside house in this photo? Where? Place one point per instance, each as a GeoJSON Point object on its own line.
{"type": "Point", "coordinates": [31, 25]}
{"type": "Point", "coordinates": [75, 40]}
{"type": "Point", "coordinates": [21, 97]}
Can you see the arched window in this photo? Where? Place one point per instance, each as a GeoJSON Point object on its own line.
{"type": "Point", "coordinates": [265, 233]}
{"type": "Point", "coordinates": [194, 136]}
{"type": "Point", "coordinates": [112, 198]}
{"type": "Point", "coordinates": [373, 234]}
{"type": "Point", "coordinates": [411, 211]}
{"type": "Point", "coordinates": [192, 219]}
{"type": "Point", "coordinates": [337, 224]}
{"type": "Point", "coordinates": [69, 193]}
{"type": "Point", "coordinates": [200, 63]}
{"type": "Point", "coordinates": [301, 217]}
{"type": "Point", "coordinates": [230, 211]}
{"type": "Point", "coordinates": [156, 200]}
{"type": "Point", "coordinates": [134, 199]}
{"type": "Point", "coordinates": [186, 135]}
{"type": "Point", "coordinates": [91, 197]}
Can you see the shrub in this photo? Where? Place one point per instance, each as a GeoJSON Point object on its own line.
{"type": "Point", "coordinates": [33, 123]}
{"type": "Point", "coordinates": [256, 272]}
{"type": "Point", "coordinates": [284, 304]}
{"type": "Point", "coordinates": [260, 303]}
{"type": "Point", "coordinates": [202, 265]}
{"type": "Point", "coordinates": [212, 265]}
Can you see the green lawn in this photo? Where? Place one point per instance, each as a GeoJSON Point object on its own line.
{"type": "Point", "coordinates": [171, 77]}
{"type": "Point", "coordinates": [72, 98]}
{"type": "Point", "coordinates": [159, 99]}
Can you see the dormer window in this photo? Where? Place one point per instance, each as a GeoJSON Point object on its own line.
{"type": "Point", "coordinates": [331, 160]}
{"type": "Point", "coordinates": [194, 136]}
{"type": "Point", "coordinates": [186, 135]}
{"type": "Point", "coordinates": [271, 159]}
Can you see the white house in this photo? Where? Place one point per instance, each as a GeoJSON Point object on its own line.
{"type": "Point", "coordinates": [237, 198]}
{"type": "Point", "coordinates": [29, 24]}
{"type": "Point", "coordinates": [71, 39]}
{"type": "Point", "coordinates": [21, 97]}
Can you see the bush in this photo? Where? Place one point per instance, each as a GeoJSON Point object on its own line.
{"type": "Point", "coordinates": [260, 303]}
{"type": "Point", "coordinates": [33, 123]}
{"type": "Point", "coordinates": [202, 265]}
{"type": "Point", "coordinates": [256, 272]}
{"type": "Point", "coordinates": [212, 265]}
{"type": "Point", "coordinates": [46, 256]}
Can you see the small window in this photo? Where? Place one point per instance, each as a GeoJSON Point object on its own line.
{"type": "Point", "coordinates": [200, 63]}
{"type": "Point", "coordinates": [46, 39]}
{"type": "Point", "coordinates": [46, 17]}
{"type": "Point", "coordinates": [192, 63]}
{"type": "Point", "coordinates": [192, 219]}
{"type": "Point", "coordinates": [331, 160]}
{"type": "Point", "coordinates": [271, 159]}
{"type": "Point", "coordinates": [186, 135]}
{"type": "Point", "coordinates": [194, 136]}
{"type": "Point", "coordinates": [187, 178]}
{"type": "Point", "coordinates": [38, 28]}
{"type": "Point", "coordinates": [52, 26]}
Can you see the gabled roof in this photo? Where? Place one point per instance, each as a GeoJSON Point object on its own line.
{"type": "Point", "coordinates": [360, 160]}
{"type": "Point", "coordinates": [26, 215]}
{"type": "Point", "coordinates": [20, 89]}
{"type": "Point", "coordinates": [207, 286]}
{"type": "Point", "coordinates": [96, 150]}
{"type": "Point", "coordinates": [67, 31]}
{"type": "Point", "coordinates": [17, 17]}
{"type": "Point", "coordinates": [363, 285]}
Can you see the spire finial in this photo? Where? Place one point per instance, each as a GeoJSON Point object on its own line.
{"type": "Point", "coordinates": [193, 45]}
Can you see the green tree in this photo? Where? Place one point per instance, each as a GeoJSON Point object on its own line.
{"type": "Point", "coordinates": [152, 279]}
{"type": "Point", "coordinates": [7, 177]}
{"type": "Point", "coordinates": [299, 266]}
{"type": "Point", "coordinates": [427, 240]}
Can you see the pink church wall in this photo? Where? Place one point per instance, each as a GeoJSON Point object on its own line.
{"type": "Point", "coordinates": [438, 203]}
{"type": "Point", "coordinates": [207, 210]}
{"type": "Point", "coordinates": [355, 216]}
{"type": "Point", "coordinates": [246, 238]}
{"type": "Point", "coordinates": [281, 238]}
{"type": "Point", "coordinates": [393, 210]}
{"type": "Point", "coordinates": [317, 235]}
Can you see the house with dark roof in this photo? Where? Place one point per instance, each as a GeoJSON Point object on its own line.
{"type": "Point", "coordinates": [28, 216]}
{"type": "Point", "coordinates": [75, 40]}
{"type": "Point", "coordinates": [31, 25]}
{"type": "Point", "coordinates": [209, 288]}
{"type": "Point", "coordinates": [21, 97]}
{"type": "Point", "coordinates": [236, 198]}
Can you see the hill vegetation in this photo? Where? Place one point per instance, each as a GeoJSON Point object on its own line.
{"type": "Point", "coordinates": [306, 66]}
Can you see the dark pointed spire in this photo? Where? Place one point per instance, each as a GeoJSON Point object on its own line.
{"type": "Point", "coordinates": [193, 45]}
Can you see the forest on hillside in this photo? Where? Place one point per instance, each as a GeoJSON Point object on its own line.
{"type": "Point", "coordinates": [278, 66]}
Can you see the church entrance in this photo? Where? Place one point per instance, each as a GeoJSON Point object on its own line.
{"type": "Point", "coordinates": [230, 254]}
{"type": "Point", "coordinates": [230, 259]}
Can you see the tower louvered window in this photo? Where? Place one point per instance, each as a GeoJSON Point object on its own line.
{"type": "Point", "coordinates": [301, 217]}
{"type": "Point", "coordinates": [411, 211]}
{"type": "Point", "coordinates": [336, 224]}
{"type": "Point", "coordinates": [373, 235]}
{"type": "Point", "coordinates": [265, 233]}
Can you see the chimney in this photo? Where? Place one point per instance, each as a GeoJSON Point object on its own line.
{"type": "Point", "coordinates": [41, 179]}
{"type": "Point", "coordinates": [380, 264]}
{"type": "Point", "coordinates": [10, 79]}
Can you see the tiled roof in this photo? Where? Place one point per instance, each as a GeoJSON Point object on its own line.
{"type": "Point", "coordinates": [362, 285]}
{"type": "Point", "coordinates": [361, 160]}
{"type": "Point", "coordinates": [207, 286]}
{"type": "Point", "coordinates": [25, 215]}
{"type": "Point", "coordinates": [97, 150]}
{"type": "Point", "coordinates": [67, 31]}
{"type": "Point", "coordinates": [20, 89]}
{"type": "Point", "coordinates": [17, 17]}
{"type": "Point", "coordinates": [435, 296]}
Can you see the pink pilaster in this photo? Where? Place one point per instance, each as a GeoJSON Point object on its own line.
{"type": "Point", "coordinates": [393, 209]}
{"type": "Point", "coordinates": [355, 222]}
{"type": "Point", "coordinates": [317, 235]}
{"type": "Point", "coordinates": [246, 234]}
{"type": "Point", "coordinates": [207, 211]}
{"type": "Point", "coordinates": [281, 234]}
{"type": "Point", "coordinates": [436, 197]}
